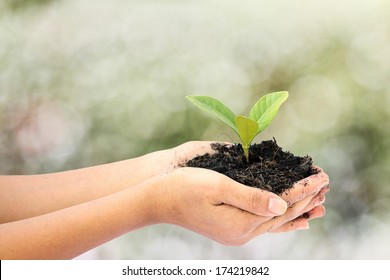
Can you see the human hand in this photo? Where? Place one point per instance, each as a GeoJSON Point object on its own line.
{"type": "Point", "coordinates": [165, 161]}
{"type": "Point", "coordinates": [218, 207]}
{"type": "Point", "coordinates": [189, 150]}
{"type": "Point", "coordinates": [306, 189]}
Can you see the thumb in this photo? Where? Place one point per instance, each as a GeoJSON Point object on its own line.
{"type": "Point", "coordinates": [256, 201]}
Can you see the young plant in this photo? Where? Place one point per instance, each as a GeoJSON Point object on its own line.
{"type": "Point", "coordinates": [260, 116]}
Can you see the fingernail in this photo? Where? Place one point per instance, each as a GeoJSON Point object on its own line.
{"type": "Point", "coordinates": [303, 227]}
{"type": "Point", "coordinates": [277, 206]}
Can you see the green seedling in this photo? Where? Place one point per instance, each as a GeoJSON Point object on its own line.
{"type": "Point", "coordinates": [260, 116]}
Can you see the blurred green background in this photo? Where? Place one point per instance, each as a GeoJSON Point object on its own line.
{"type": "Point", "coordinates": [89, 82]}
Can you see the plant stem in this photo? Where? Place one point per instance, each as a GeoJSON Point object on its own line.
{"type": "Point", "coordinates": [246, 151]}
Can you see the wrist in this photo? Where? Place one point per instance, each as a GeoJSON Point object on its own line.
{"type": "Point", "coordinates": [158, 201]}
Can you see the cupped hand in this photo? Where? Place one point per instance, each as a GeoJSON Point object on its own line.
{"type": "Point", "coordinates": [314, 187]}
{"type": "Point", "coordinates": [222, 209]}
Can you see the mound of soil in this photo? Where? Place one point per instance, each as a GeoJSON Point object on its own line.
{"type": "Point", "coordinates": [269, 167]}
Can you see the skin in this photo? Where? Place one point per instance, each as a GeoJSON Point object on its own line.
{"type": "Point", "coordinates": [62, 215]}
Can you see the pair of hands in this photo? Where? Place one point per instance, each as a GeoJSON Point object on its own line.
{"type": "Point", "coordinates": [61, 215]}
{"type": "Point", "coordinates": [224, 210]}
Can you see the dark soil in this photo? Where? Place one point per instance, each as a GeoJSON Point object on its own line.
{"type": "Point", "coordinates": [269, 167]}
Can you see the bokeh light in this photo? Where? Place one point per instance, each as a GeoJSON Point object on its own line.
{"type": "Point", "coordinates": [88, 82]}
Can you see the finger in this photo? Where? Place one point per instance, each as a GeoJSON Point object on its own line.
{"type": "Point", "coordinates": [317, 212]}
{"type": "Point", "coordinates": [256, 201]}
{"type": "Point", "coordinates": [289, 221]}
{"type": "Point", "coordinates": [307, 186]}
{"type": "Point", "coordinates": [302, 222]}
{"type": "Point", "coordinates": [292, 213]}
{"type": "Point", "coordinates": [297, 224]}
{"type": "Point", "coordinates": [298, 209]}
{"type": "Point", "coordinates": [317, 200]}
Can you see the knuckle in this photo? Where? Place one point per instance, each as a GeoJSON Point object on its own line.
{"type": "Point", "coordinates": [293, 213]}
{"type": "Point", "coordinates": [255, 199]}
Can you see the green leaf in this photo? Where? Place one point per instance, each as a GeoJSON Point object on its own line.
{"type": "Point", "coordinates": [247, 130]}
{"type": "Point", "coordinates": [215, 107]}
{"type": "Point", "coordinates": [266, 108]}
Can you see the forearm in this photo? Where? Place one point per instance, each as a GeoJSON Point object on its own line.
{"type": "Point", "coordinates": [69, 232]}
{"type": "Point", "coordinates": [29, 196]}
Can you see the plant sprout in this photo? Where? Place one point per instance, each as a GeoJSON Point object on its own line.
{"type": "Point", "coordinates": [260, 116]}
